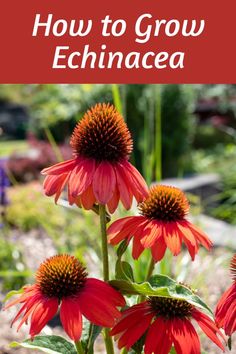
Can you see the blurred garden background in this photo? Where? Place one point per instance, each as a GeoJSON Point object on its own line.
{"type": "Point", "coordinates": [183, 135]}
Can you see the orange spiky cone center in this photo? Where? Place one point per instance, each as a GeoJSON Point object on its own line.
{"type": "Point", "coordinates": [61, 276]}
{"type": "Point", "coordinates": [165, 203]}
{"type": "Point", "coordinates": [102, 135]}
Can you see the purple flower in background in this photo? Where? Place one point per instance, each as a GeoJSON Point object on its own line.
{"type": "Point", "coordinates": [4, 183]}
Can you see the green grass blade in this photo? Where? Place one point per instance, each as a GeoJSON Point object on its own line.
{"type": "Point", "coordinates": [158, 138]}
{"type": "Point", "coordinates": [117, 98]}
{"type": "Point", "coordinates": [53, 144]}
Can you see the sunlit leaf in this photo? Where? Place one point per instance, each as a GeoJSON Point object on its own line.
{"type": "Point", "coordinates": [160, 285]}
{"type": "Point", "coordinates": [48, 344]}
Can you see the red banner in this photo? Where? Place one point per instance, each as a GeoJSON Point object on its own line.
{"type": "Point", "coordinates": [127, 41]}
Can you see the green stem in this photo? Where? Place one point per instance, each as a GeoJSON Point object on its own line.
{"type": "Point", "coordinates": [90, 337]}
{"type": "Point", "coordinates": [102, 213]}
{"type": "Point", "coordinates": [150, 269]}
{"type": "Point", "coordinates": [108, 341]}
{"type": "Point", "coordinates": [79, 347]}
{"type": "Point", "coordinates": [124, 351]}
{"type": "Point", "coordinates": [158, 143]}
{"type": "Point", "coordinates": [53, 144]}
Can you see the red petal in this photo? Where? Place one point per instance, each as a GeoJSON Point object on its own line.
{"type": "Point", "coordinates": [82, 176]}
{"type": "Point", "coordinates": [172, 238]}
{"type": "Point", "coordinates": [188, 238]}
{"type": "Point", "coordinates": [52, 184]}
{"type": "Point", "coordinates": [87, 198]}
{"type": "Point", "coordinates": [71, 198]}
{"type": "Point", "coordinates": [29, 304]}
{"type": "Point", "coordinates": [29, 309]}
{"type": "Point", "coordinates": [63, 183]}
{"type": "Point", "coordinates": [29, 291]}
{"type": "Point", "coordinates": [208, 327]}
{"type": "Point", "coordinates": [185, 337]}
{"type": "Point", "coordinates": [159, 249]}
{"type": "Point", "coordinates": [104, 182]}
{"type": "Point", "coordinates": [130, 317]}
{"type": "Point", "coordinates": [43, 313]}
{"type": "Point", "coordinates": [132, 334]}
{"type": "Point", "coordinates": [136, 182]}
{"type": "Point", "coordinates": [123, 228]}
{"type": "Point", "coordinates": [200, 235]}
{"type": "Point", "coordinates": [59, 168]}
{"type": "Point", "coordinates": [151, 233]}
{"type": "Point", "coordinates": [230, 319]}
{"type": "Point", "coordinates": [158, 339]}
{"type": "Point", "coordinates": [224, 303]}
{"type": "Point", "coordinates": [71, 318]}
{"type": "Point", "coordinates": [137, 247]}
{"type": "Point", "coordinates": [99, 287]}
{"type": "Point", "coordinates": [98, 309]}
{"type": "Point", "coordinates": [123, 186]}
{"type": "Point", "coordinates": [114, 201]}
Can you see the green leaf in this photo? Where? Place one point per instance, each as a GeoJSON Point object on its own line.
{"type": "Point", "coordinates": [124, 270]}
{"type": "Point", "coordinates": [12, 293]}
{"type": "Point", "coordinates": [90, 334]}
{"type": "Point", "coordinates": [130, 288]}
{"type": "Point", "coordinates": [122, 248]}
{"type": "Point", "coordinates": [48, 344]}
{"type": "Point", "coordinates": [160, 285]}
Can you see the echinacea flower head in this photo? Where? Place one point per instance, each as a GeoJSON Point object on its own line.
{"type": "Point", "coordinates": [165, 322]}
{"type": "Point", "coordinates": [162, 224]}
{"type": "Point", "coordinates": [62, 284]}
{"type": "Point", "coordinates": [100, 171]}
{"type": "Point", "coordinates": [226, 307]}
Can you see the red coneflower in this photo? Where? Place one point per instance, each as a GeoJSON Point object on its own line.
{"type": "Point", "coordinates": [161, 225]}
{"type": "Point", "coordinates": [100, 171]}
{"type": "Point", "coordinates": [61, 282]}
{"type": "Point", "coordinates": [166, 322]}
{"type": "Point", "coordinates": [226, 307]}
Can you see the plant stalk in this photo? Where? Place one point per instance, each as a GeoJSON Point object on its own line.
{"type": "Point", "coordinates": [79, 347]}
{"type": "Point", "coordinates": [105, 261]}
{"type": "Point", "coordinates": [150, 270]}
{"type": "Point", "coordinates": [102, 213]}
{"type": "Point", "coordinates": [158, 142]}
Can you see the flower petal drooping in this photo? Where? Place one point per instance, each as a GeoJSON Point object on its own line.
{"type": "Point", "coordinates": [100, 171]}
{"type": "Point", "coordinates": [164, 322]}
{"type": "Point", "coordinates": [226, 307]}
{"type": "Point", "coordinates": [162, 225]}
{"type": "Point", "coordinates": [62, 283]}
